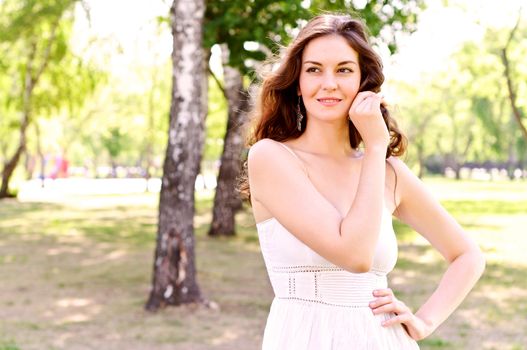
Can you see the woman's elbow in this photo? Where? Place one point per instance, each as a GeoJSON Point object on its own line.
{"type": "Point", "coordinates": [475, 261]}
{"type": "Point", "coordinates": [359, 265]}
{"type": "Point", "coordinates": [479, 262]}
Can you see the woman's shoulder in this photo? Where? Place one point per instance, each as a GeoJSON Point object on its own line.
{"type": "Point", "coordinates": [398, 165]}
{"type": "Point", "coordinates": [265, 143]}
{"type": "Point", "coordinates": [264, 149]}
{"type": "Point", "coordinates": [270, 154]}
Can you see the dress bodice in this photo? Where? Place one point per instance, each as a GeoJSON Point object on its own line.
{"type": "Point", "coordinates": [280, 248]}
{"type": "Point", "coordinates": [298, 272]}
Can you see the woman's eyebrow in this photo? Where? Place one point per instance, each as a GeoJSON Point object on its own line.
{"type": "Point", "coordinates": [339, 64]}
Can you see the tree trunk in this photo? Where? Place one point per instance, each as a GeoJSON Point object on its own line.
{"type": "Point", "coordinates": [226, 199]}
{"type": "Point", "coordinates": [512, 160]}
{"type": "Point", "coordinates": [518, 115]}
{"type": "Point", "coordinates": [41, 157]}
{"type": "Point", "coordinates": [420, 159]}
{"type": "Point", "coordinates": [174, 278]}
{"type": "Point", "coordinates": [31, 78]}
{"type": "Point", "coordinates": [10, 165]}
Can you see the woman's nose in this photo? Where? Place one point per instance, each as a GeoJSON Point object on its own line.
{"type": "Point", "coordinates": [329, 82]}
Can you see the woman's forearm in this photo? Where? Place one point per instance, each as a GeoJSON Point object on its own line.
{"type": "Point", "coordinates": [360, 227]}
{"type": "Point", "coordinates": [461, 275]}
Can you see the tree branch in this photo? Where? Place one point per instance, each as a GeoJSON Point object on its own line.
{"type": "Point", "coordinates": [513, 31]}
{"type": "Point", "coordinates": [518, 115]}
{"type": "Point", "coordinates": [220, 86]}
{"type": "Point", "coordinates": [47, 52]}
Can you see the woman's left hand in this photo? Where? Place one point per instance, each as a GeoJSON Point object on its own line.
{"type": "Point", "coordinates": [386, 302]}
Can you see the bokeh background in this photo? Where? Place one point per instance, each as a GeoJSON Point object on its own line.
{"type": "Point", "coordinates": [85, 95]}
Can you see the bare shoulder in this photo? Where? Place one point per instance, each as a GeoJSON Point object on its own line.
{"type": "Point", "coordinates": [398, 164]}
{"type": "Point", "coordinates": [401, 171]}
{"type": "Point", "coordinates": [268, 152]}
{"type": "Point", "coordinates": [266, 159]}
{"type": "Point", "coordinates": [262, 150]}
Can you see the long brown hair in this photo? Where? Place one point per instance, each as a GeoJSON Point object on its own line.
{"type": "Point", "coordinates": [274, 114]}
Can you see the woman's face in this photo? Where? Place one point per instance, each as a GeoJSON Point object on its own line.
{"type": "Point", "coordinates": [330, 78]}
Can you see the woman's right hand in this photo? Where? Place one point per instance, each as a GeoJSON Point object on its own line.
{"type": "Point", "coordinates": [386, 302]}
{"type": "Point", "coordinates": [365, 113]}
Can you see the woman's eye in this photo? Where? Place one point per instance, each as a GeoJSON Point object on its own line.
{"type": "Point", "coordinates": [312, 70]}
{"type": "Point", "coordinates": [345, 70]}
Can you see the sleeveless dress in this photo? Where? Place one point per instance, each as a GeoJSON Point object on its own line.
{"type": "Point", "coordinates": [320, 306]}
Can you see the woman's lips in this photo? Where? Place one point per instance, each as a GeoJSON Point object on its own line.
{"type": "Point", "coordinates": [328, 102]}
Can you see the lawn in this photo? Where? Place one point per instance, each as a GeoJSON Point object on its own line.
{"type": "Point", "coordinates": [75, 273]}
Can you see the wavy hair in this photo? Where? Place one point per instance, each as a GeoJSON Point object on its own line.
{"type": "Point", "coordinates": [274, 114]}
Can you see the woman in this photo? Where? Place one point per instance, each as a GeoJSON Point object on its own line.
{"type": "Point", "coordinates": [323, 208]}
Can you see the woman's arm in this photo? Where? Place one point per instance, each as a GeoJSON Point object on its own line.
{"type": "Point", "coordinates": [279, 184]}
{"type": "Point", "coordinates": [419, 209]}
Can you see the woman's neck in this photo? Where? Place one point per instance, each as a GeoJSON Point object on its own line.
{"type": "Point", "coordinates": [326, 139]}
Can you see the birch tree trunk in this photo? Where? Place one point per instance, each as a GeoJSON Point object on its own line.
{"type": "Point", "coordinates": [226, 199]}
{"type": "Point", "coordinates": [174, 278]}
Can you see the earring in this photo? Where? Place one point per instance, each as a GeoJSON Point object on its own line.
{"type": "Point", "coordinates": [299, 116]}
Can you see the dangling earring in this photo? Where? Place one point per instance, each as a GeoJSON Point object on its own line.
{"type": "Point", "coordinates": [299, 116]}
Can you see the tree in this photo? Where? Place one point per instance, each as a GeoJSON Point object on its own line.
{"type": "Point", "coordinates": [255, 31]}
{"type": "Point", "coordinates": [174, 278]}
{"type": "Point", "coordinates": [33, 40]}
{"type": "Point", "coordinates": [494, 92]}
{"type": "Point", "coordinates": [511, 88]}
{"type": "Point", "coordinates": [232, 25]}
{"type": "Point", "coordinates": [386, 19]}
{"type": "Point", "coordinates": [418, 112]}
{"type": "Point", "coordinates": [115, 141]}
{"type": "Point", "coordinates": [226, 200]}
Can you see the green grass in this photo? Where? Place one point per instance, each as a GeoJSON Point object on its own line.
{"type": "Point", "coordinates": [487, 207]}
{"type": "Point", "coordinates": [76, 274]}
{"type": "Point", "coordinates": [8, 345]}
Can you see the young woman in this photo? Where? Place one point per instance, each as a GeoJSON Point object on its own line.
{"type": "Point", "coordinates": [324, 209]}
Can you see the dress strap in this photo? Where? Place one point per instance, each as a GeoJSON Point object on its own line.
{"type": "Point", "coordinates": [295, 155]}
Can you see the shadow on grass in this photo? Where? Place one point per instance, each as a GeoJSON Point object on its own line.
{"type": "Point", "coordinates": [11, 207]}
{"type": "Point", "coordinates": [116, 225]}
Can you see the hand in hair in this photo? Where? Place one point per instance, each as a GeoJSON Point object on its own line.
{"type": "Point", "coordinates": [365, 114]}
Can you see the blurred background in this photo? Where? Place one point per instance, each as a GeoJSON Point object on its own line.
{"type": "Point", "coordinates": [85, 95]}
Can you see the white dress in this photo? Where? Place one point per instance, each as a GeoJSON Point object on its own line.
{"type": "Point", "coordinates": [320, 306]}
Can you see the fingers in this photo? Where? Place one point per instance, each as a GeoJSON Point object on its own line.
{"type": "Point", "coordinates": [363, 95]}
{"type": "Point", "coordinates": [402, 318]}
{"type": "Point", "coordinates": [366, 98]}
{"type": "Point", "coordinates": [381, 301]}
{"type": "Point", "coordinates": [394, 307]}
{"type": "Point", "coordinates": [365, 103]}
{"type": "Point", "coordinates": [387, 302]}
{"type": "Point", "coordinates": [382, 292]}
{"type": "Point", "coordinates": [366, 115]}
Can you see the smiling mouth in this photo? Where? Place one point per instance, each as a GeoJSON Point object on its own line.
{"type": "Point", "coordinates": [329, 101]}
